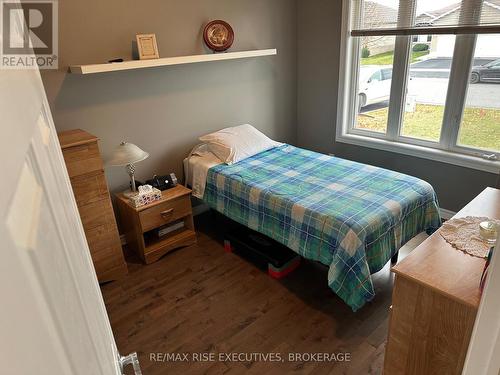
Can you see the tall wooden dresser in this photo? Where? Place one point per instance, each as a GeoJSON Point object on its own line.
{"type": "Point", "coordinates": [85, 169]}
{"type": "Point", "coordinates": [435, 302]}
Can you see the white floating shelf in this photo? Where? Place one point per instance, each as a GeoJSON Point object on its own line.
{"type": "Point", "coordinates": [167, 61]}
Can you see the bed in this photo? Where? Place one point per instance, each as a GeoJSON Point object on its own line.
{"type": "Point", "coordinates": [349, 216]}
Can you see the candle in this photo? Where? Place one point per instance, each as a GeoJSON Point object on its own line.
{"type": "Point", "coordinates": [488, 231]}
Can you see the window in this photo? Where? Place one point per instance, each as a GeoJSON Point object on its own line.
{"type": "Point", "coordinates": [423, 77]}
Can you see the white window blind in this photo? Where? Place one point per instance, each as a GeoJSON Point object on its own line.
{"type": "Point", "coordinates": [424, 17]}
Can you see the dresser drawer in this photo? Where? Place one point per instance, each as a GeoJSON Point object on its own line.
{"type": "Point", "coordinates": [82, 159]}
{"type": "Point", "coordinates": [104, 243]}
{"type": "Point", "coordinates": [89, 188]}
{"type": "Point", "coordinates": [105, 250]}
{"type": "Point", "coordinates": [96, 214]}
{"type": "Point", "coordinates": [102, 239]}
{"type": "Point", "coordinates": [164, 213]}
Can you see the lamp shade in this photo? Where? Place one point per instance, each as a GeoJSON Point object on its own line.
{"type": "Point", "coordinates": [125, 154]}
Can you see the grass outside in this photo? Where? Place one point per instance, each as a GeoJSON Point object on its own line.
{"type": "Point", "coordinates": [480, 127]}
{"type": "Point", "coordinates": [387, 58]}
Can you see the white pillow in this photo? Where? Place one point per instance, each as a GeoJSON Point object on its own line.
{"type": "Point", "coordinates": [232, 145]}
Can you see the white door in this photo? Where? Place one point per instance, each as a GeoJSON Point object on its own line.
{"type": "Point", "coordinates": [52, 316]}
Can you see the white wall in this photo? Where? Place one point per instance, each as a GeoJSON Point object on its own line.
{"type": "Point", "coordinates": [487, 46]}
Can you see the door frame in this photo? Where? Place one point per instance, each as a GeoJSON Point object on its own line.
{"type": "Point", "coordinates": [483, 356]}
{"type": "Point", "coordinates": [53, 318]}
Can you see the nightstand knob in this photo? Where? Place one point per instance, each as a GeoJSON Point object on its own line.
{"type": "Point", "coordinates": [167, 214]}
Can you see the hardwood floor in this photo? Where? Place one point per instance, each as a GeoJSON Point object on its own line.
{"type": "Point", "coordinates": [202, 300]}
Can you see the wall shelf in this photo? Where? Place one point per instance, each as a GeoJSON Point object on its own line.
{"type": "Point", "coordinates": [168, 61]}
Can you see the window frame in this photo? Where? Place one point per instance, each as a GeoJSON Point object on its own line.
{"type": "Point", "coordinates": [447, 148]}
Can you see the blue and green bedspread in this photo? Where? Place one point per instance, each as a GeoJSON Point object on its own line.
{"type": "Point", "coordinates": [349, 216]}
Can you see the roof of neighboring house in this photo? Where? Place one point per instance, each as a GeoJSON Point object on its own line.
{"type": "Point", "coordinates": [442, 11]}
{"type": "Point", "coordinates": [435, 15]}
{"type": "Point", "coordinates": [493, 3]}
{"type": "Point", "coordinates": [376, 14]}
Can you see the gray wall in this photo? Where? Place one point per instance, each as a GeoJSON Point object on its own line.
{"type": "Point", "coordinates": [291, 97]}
{"type": "Point", "coordinates": [318, 30]}
{"type": "Point", "coordinates": [164, 110]}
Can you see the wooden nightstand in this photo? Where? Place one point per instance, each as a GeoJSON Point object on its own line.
{"type": "Point", "coordinates": [140, 224]}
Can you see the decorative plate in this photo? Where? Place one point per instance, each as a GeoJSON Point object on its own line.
{"type": "Point", "coordinates": [218, 36]}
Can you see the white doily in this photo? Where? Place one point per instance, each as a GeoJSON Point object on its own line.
{"type": "Point", "coordinates": [463, 234]}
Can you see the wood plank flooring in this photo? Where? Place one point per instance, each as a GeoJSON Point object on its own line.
{"type": "Point", "coordinates": [202, 300]}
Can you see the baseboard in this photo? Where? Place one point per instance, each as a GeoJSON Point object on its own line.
{"type": "Point", "coordinates": [446, 214]}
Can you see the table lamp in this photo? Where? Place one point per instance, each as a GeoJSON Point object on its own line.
{"type": "Point", "coordinates": [126, 155]}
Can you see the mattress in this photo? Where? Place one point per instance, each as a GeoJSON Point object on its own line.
{"type": "Point", "coordinates": [196, 167]}
{"type": "Point", "coordinates": [349, 216]}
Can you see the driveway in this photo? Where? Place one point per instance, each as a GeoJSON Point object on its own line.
{"type": "Point", "coordinates": [429, 85]}
{"type": "Point", "coordinates": [434, 90]}
{"type": "Point", "coordinates": [438, 67]}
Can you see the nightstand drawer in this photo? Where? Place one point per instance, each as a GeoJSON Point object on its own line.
{"type": "Point", "coordinates": [164, 213]}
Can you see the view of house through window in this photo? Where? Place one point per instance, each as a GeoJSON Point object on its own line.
{"type": "Point", "coordinates": [424, 84]}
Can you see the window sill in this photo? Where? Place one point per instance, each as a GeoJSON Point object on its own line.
{"type": "Point", "coordinates": [461, 160]}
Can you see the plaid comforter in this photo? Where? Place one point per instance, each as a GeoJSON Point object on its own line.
{"type": "Point", "coordinates": [349, 216]}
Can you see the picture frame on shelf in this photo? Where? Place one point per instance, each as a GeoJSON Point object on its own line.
{"type": "Point", "coordinates": [147, 46]}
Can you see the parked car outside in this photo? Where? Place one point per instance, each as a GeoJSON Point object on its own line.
{"type": "Point", "coordinates": [374, 84]}
{"type": "Point", "coordinates": [489, 72]}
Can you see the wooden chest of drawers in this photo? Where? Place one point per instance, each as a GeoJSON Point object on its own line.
{"type": "Point", "coordinates": [435, 301]}
{"type": "Point", "coordinates": [85, 169]}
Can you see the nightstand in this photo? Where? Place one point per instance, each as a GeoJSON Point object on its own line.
{"type": "Point", "coordinates": [172, 214]}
